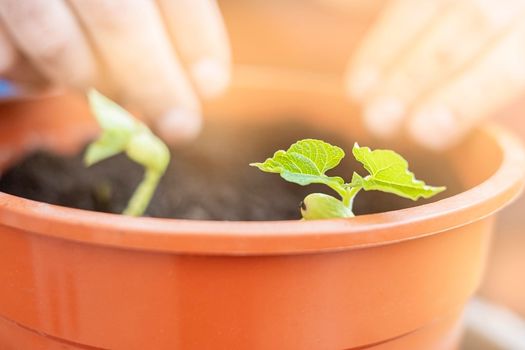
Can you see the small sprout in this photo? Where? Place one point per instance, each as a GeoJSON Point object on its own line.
{"type": "Point", "coordinates": [307, 161]}
{"type": "Point", "coordinates": [121, 132]}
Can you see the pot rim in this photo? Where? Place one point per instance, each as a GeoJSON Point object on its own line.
{"type": "Point", "coordinates": [277, 237]}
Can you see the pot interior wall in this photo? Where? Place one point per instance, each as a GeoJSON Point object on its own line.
{"type": "Point", "coordinates": [319, 103]}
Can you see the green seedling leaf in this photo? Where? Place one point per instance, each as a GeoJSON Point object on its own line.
{"type": "Point", "coordinates": [121, 132]}
{"type": "Point", "coordinates": [306, 162]}
{"type": "Point", "coordinates": [389, 173]}
{"type": "Point", "coordinates": [110, 143]}
{"type": "Point", "coordinates": [318, 206]}
{"type": "Point", "coordinates": [109, 114]}
{"type": "Point", "coordinates": [118, 127]}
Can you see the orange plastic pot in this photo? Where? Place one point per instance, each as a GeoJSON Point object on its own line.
{"type": "Point", "coordinates": [73, 279]}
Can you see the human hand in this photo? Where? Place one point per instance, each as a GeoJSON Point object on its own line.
{"type": "Point", "coordinates": [437, 68]}
{"type": "Point", "coordinates": [149, 55]}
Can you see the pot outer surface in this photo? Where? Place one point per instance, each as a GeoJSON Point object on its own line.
{"type": "Point", "coordinates": [99, 289]}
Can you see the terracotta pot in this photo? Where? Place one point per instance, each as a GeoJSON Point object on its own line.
{"type": "Point", "coordinates": [73, 279]}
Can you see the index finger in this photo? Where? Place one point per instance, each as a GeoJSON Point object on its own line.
{"type": "Point", "coordinates": [201, 40]}
{"type": "Point", "coordinates": [394, 32]}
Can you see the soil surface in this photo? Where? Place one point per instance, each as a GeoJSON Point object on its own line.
{"type": "Point", "coordinates": [209, 179]}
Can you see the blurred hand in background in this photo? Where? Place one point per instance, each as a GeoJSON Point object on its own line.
{"type": "Point", "coordinates": [157, 57]}
{"type": "Point", "coordinates": [436, 68]}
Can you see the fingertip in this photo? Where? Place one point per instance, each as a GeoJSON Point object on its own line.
{"type": "Point", "coordinates": [178, 125]}
{"type": "Point", "coordinates": [434, 127]}
{"type": "Point", "coordinates": [361, 81]}
{"type": "Point", "coordinates": [383, 116]}
{"type": "Point", "coordinates": [211, 77]}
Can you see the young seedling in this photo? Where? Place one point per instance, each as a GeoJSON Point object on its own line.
{"type": "Point", "coordinates": [121, 132]}
{"type": "Point", "coordinates": [307, 161]}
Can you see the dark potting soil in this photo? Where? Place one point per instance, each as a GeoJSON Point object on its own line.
{"type": "Point", "coordinates": [208, 179]}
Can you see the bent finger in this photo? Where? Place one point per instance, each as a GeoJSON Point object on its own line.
{"type": "Point", "coordinates": [463, 32]}
{"type": "Point", "coordinates": [8, 53]}
{"type": "Point", "coordinates": [47, 33]}
{"type": "Point", "coordinates": [143, 66]}
{"type": "Point", "coordinates": [393, 33]}
{"type": "Point", "coordinates": [446, 115]}
{"type": "Point", "coordinates": [201, 40]}
{"type": "Point", "coordinates": [19, 76]}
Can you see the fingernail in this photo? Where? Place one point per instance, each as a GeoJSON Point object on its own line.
{"type": "Point", "coordinates": [434, 127]}
{"type": "Point", "coordinates": [383, 116]}
{"type": "Point", "coordinates": [211, 77]}
{"type": "Point", "coordinates": [179, 125]}
{"type": "Point", "coordinates": [361, 82]}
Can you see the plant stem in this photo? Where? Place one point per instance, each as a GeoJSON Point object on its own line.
{"type": "Point", "coordinates": [337, 188]}
{"type": "Point", "coordinates": [348, 197]}
{"type": "Point", "coordinates": [142, 195]}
